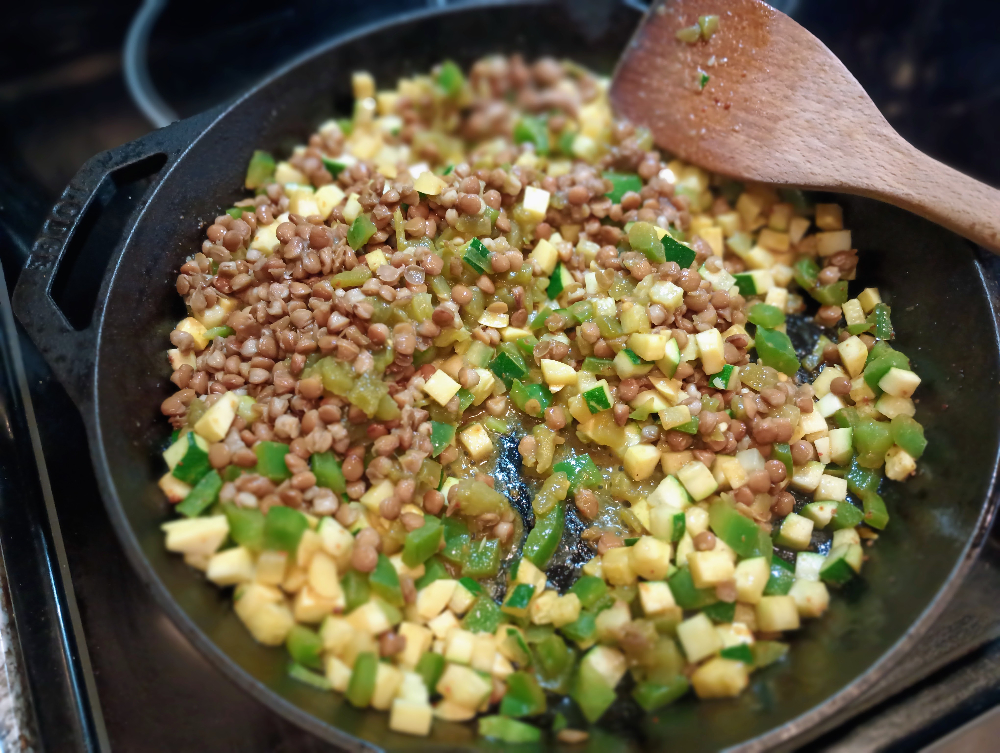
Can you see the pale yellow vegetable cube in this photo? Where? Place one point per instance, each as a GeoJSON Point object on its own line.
{"type": "Point", "coordinates": [699, 638]}
{"type": "Point", "coordinates": [611, 621]}
{"type": "Point", "coordinates": [477, 442]}
{"type": "Point", "coordinates": [484, 651]}
{"type": "Point", "coordinates": [821, 385]}
{"type": "Point", "coordinates": [556, 373]}
{"type": "Point", "coordinates": [540, 608]}
{"type": "Point", "coordinates": [441, 387]}
{"type": "Point", "coordinates": [528, 573]}
{"type": "Point", "coordinates": [434, 597]}
{"type": "Point", "coordinates": [175, 489]}
{"type": "Point", "coordinates": [196, 329]}
{"type": "Point", "coordinates": [751, 577]}
{"type": "Point", "coordinates": [853, 354]}
{"type": "Point", "coordinates": [898, 382]}
{"type": "Point", "coordinates": [899, 464]}
{"type": "Point", "coordinates": [338, 674]}
{"type": "Point", "coordinates": [565, 610]}
{"type": "Point", "coordinates": [536, 203]}
{"type": "Point", "coordinates": [336, 540]}
{"type": "Point", "coordinates": [369, 618]}
{"type": "Point", "coordinates": [311, 607]}
{"type": "Point", "coordinates": [387, 681]}
{"type": "Point", "coordinates": [831, 488]}
{"type": "Point", "coordinates": [411, 718]}
{"type": "Point", "coordinates": [833, 241]}
{"type": "Point", "coordinates": [430, 184]}
{"type": "Point", "coordinates": [891, 406]}
{"type": "Point", "coordinates": [811, 597]}
{"type": "Point", "coordinates": [230, 567]}
{"type": "Point", "coordinates": [655, 597]}
{"type": "Point", "coordinates": [640, 461]}
{"type": "Point", "coordinates": [648, 347]}
{"type": "Point", "coordinates": [378, 493]}
{"type": "Point", "coordinates": [869, 299]}
{"type": "Point", "coordinates": [777, 613]}
{"type": "Point", "coordinates": [617, 567]}
{"type": "Point", "coordinates": [418, 642]}
{"type": "Point", "coordinates": [264, 612]}
{"type": "Point", "coordinates": [720, 678]}
{"type": "Point", "coordinates": [443, 624]}
{"type": "Point", "coordinates": [712, 350]}
{"type": "Point", "coordinates": [459, 645]}
{"type": "Point", "coordinates": [463, 686]}
{"type": "Point", "coordinates": [710, 568]}
{"type": "Point", "coordinates": [697, 480]}
{"type": "Point", "coordinates": [649, 558]}
{"type": "Point", "coordinates": [196, 535]}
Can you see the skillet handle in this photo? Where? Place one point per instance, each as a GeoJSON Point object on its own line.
{"type": "Point", "coordinates": [71, 351]}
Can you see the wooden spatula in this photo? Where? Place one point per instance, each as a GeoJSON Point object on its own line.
{"type": "Point", "coordinates": [764, 100]}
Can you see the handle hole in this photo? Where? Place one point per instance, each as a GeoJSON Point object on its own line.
{"type": "Point", "coordinates": [78, 279]}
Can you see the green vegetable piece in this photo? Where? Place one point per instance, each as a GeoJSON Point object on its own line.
{"type": "Point", "coordinates": [271, 461]}
{"type": "Point", "coordinates": [336, 166]}
{"type": "Point", "coordinates": [351, 278]}
{"type": "Point", "coordinates": [356, 590]}
{"type": "Point", "coordinates": [430, 666]}
{"type": "Point", "coordinates": [456, 541]}
{"type": "Point", "coordinates": [477, 256]}
{"type": "Point", "coordinates": [876, 514]}
{"type": "Point", "coordinates": [326, 469]}
{"type": "Point", "coordinates": [842, 564]}
{"type": "Point", "coordinates": [655, 695]}
{"type": "Point", "coordinates": [524, 697]}
{"type": "Point", "coordinates": [686, 595]}
{"type": "Point", "coordinates": [878, 367]}
{"type": "Point", "coordinates": [496, 425]}
{"type": "Point", "coordinates": [581, 472]}
{"type": "Point", "coordinates": [861, 479]}
{"type": "Point", "coordinates": [529, 129]}
{"type": "Point", "coordinates": [691, 427]}
{"type": "Point", "coordinates": [742, 652]}
{"type": "Point", "coordinates": [720, 611]}
{"type": "Point", "coordinates": [450, 79]}
{"type": "Point", "coordinates": [194, 463]}
{"type": "Point", "coordinates": [471, 586]}
{"type": "Point", "coordinates": [559, 722]}
{"type": "Point", "coordinates": [260, 170]}
{"type": "Point", "coordinates": [508, 730]}
{"type": "Point", "coordinates": [806, 273]}
{"type": "Point", "coordinates": [598, 366]}
{"type": "Point", "coordinates": [775, 350]}
{"type": "Point", "coordinates": [514, 643]}
{"type": "Point", "coordinates": [214, 332]}
{"type": "Point", "coordinates": [703, 79]}
{"type": "Point", "coordinates": [783, 452]}
{"type": "Point", "coordinates": [720, 380]}
{"type": "Point", "coordinates": [283, 527]}
{"type": "Point", "coordinates": [434, 570]}
{"type": "Point", "coordinates": [297, 672]}
{"type": "Point", "coordinates": [872, 439]}
{"type": "Point", "coordinates": [674, 250]}
{"type": "Point", "coordinates": [246, 526]}
{"type": "Point", "coordinates": [384, 582]}
{"type": "Point", "coordinates": [421, 543]}
{"type": "Point", "coordinates": [204, 494]}
{"type": "Point", "coordinates": [766, 315]}
{"type": "Point", "coordinates": [508, 365]}
{"type": "Point", "coordinates": [908, 434]}
{"type": "Point", "coordinates": [442, 435]}
{"type": "Point", "coordinates": [879, 317]}
{"type": "Point", "coordinates": [560, 280]}
{"type": "Point", "coordinates": [362, 229]}
{"type": "Point", "coordinates": [846, 417]}
{"type": "Point", "coordinates": [483, 560]}
{"type": "Point", "coordinates": [545, 536]}
{"type": "Point", "coordinates": [621, 184]}
{"type": "Point", "coordinates": [642, 237]}
{"type": "Point", "coordinates": [739, 532]}
{"type": "Point", "coordinates": [523, 395]}
{"type": "Point", "coordinates": [583, 629]}
{"type": "Point", "coordinates": [484, 617]}
{"type": "Point", "coordinates": [782, 578]}
{"type": "Point", "coordinates": [305, 646]}
{"type": "Point", "coordinates": [591, 692]}
{"type": "Point", "coordinates": [518, 599]}
{"type": "Point", "coordinates": [361, 687]}
{"type": "Point", "coordinates": [846, 516]}
{"type": "Point", "coordinates": [554, 659]}
{"type": "Point", "coordinates": [834, 294]}
{"type": "Point", "coordinates": [766, 653]}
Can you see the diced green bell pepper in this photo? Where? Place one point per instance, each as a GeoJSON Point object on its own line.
{"type": "Point", "coordinates": [583, 629]}
{"type": "Point", "coordinates": [483, 560]}
{"type": "Point", "coordinates": [384, 582]}
{"type": "Point", "coordinates": [740, 652]}
{"type": "Point", "coordinates": [260, 170]}
{"type": "Point", "coordinates": [421, 543]}
{"type": "Point", "coordinates": [720, 612]}
{"type": "Point", "coordinates": [283, 527]}
{"type": "Point", "coordinates": [484, 617]}
{"type": "Point", "coordinates": [834, 294]}
{"type": "Point", "coordinates": [598, 366]}
{"type": "Point", "coordinates": [524, 697]}
{"type": "Point", "coordinates": [477, 256]}
{"type": "Point", "coordinates": [434, 570]}
{"type": "Point", "coordinates": [305, 646]}
{"type": "Point", "coordinates": [591, 692]}
{"type": "Point", "coordinates": [442, 435]}
{"type": "Point", "coordinates": [861, 479]}
{"type": "Point", "coordinates": [655, 695]}
{"type": "Point", "coordinates": [194, 462]}
{"type": "Point", "coordinates": [686, 595]}
{"type": "Point", "coordinates": [326, 469]}
{"type": "Point", "coordinates": [545, 536]}
{"type": "Point", "coordinates": [508, 364]}
{"type": "Point", "coordinates": [782, 577]}
{"type": "Point", "coordinates": [621, 184]}
{"type": "Point", "coordinates": [356, 590]}
{"type": "Point", "coordinates": [529, 129]}
{"type": "Point", "coordinates": [518, 599]}
{"type": "Point", "coordinates": [766, 315]}
{"type": "Point", "coordinates": [908, 434]}
{"type": "Point", "coordinates": [271, 461]}
{"type": "Point", "coordinates": [204, 494]}
{"type": "Point", "coordinates": [450, 79]}
{"type": "Point", "coordinates": [214, 332]}
{"type": "Point", "coordinates": [553, 659]}
{"type": "Point", "coordinates": [806, 273]}
{"type": "Point", "coordinates": [876, 514]}
{"type": "Point", "coordinates": [508, 730]}
{"type": "Point", "coordinates": [430, 667]}
{"type": "Point", "coordinates": [522, 394]}
{"type": "Point", "coordinates": [766, 653]}
{"type": "Point", "coordinates": [879, 317]}
{"type": "Point", "coordinates": [456, 541]}
{"type": "Point", "coordinates": [246, 526]}
{"type": "Point", "coordinates": [872, 439]}
{"type": "Point", "coordinates": [783, 452]}
{"type": "Point", "coordinates": [642, 238]}
{"type": "Point", "coordinates": [589, 589]}
{"type": "Point", "coordinates": [514, 643]}
{"type": "Point", "coordinates": [581, 472]}
{"type": "Point", "coordinates": [362, 229]}
{"type": "Point", "coordinates": [846, 516]}
{"type": "Point", "coordinates": [877, 368]}
{"type": "Point", "coordinates": [736, 530]}
{"type": "Point", "coordinates": [775, 350]}
{"type": "Point", "coordinates": [304, 675]}
{"type": "Point", "coordinates": [361, 687]}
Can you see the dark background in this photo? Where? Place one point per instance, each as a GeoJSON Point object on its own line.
{"type": "Point", "coordinates": [932, 67]}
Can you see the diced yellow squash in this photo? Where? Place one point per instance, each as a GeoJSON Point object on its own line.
{"type": "Point", "coordinates": [284, 173]}
{"type": "Point", "coordinates": [369, 618]}
{"type": "Point", "coordinates": [811, 597]}
{"type": "Point", "coordinates": [495, 319]}
{"type": "Point", "coordinates": [459, 645]}
{"type": "Point", "coordinates": [175, 489]}
{"type": "Point", "coordinates": [697, 480]}
{"type": "Point", "coordinates": [831, 488]}
{"type": "Point", "coordinates": [430, 184]}
{"type": "Point", "coordinates": [713, 237]}
{"type": "Point", "coordinates": [710, 568]}
{"type": "Point", "coordinates": [388, 678]}
{"type": "Point", "coordinates": [477, 442]}
{"type": "Point", "coordinates": [484, 651]}
{"type": "Point", "coordinates": [196, 329]}
{"type": "Point", "coordinates": [545, 254]}
{"type": "Point", "coordinates": [443, 624]}
{"type": "Point", "coordinates": [698, 637]}
{"type": "Point", "coordinates": [376, 494]}
{"type": "Point", "coordinates": [336, 541]}
{"type": "Point", "coordinates": [196, 535]}
{"type": "Point", "coordinates": [899, 382]}
{"type": "Point", "coordinates": [311, 607]}
{"type": "Point", "coordinates": [649, 347]}
{"type": "Point", "coordinates": [640, 461]}
{"type": "Point", "coordinates": [232, 566]}
{"type": "Point", "coordinates": [178, 359]}
{"type": "Point", "coordinates": [540, 608]}
{"type": "Point", "coordinates": [655, 597]}
{"type": "Point", "coordinates": [797, 228]}
{"type": "Point", "coordinates": [528, 573]}
{"type": "Point", "coordinates": [609, 663]}
{"type": "Point", "coordinates": [617, 567]}
{"type": "Point", "coordinates": [217, 315]}
{"type": "Point", "coordinates": [711, 349]}
{"type": "Point", "coordinates": [352, 209]}
{"type": "Point", "coordinates": [264, 612]}
{"type": "Point", "coordinates": [556, 373]}
{"type": "Point", "coordinates": [463, 686]}
{"type": "Point", "coordinates": [434, 597]}
{"type": "Point", "coordinates": [751, 577]}
{"type": "Point", "coordinates": [418, 642]}
{"type": "Point", "coordinates": [441, 387]}
{"type": "Point", "coordinates": [649, 558]}
{"type": "Point", "coordinates": [338, 673]}
{"type": "Point", "coordinates": [777, 613]}
{"type": "Point", "coordinates": [536, 203]}
{"type": "Point", "coordinates": [720, 678]}
{"type": "Point", "coordinates": [323, 576]}
{"type": "Point", "coordinates": [899, 464]}
{"type": "Point", "coordinates": [411, 718]}
{"type": "Point", "coordinates": [449, 711]}
{"type": "Point", "coordinates": [869, 299]}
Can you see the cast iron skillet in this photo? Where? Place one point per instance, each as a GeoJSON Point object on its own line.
{"type": "Point", "coordinates": [113, 366]}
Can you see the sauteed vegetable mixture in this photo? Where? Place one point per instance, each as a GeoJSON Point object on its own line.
{"type": "Point", "coordinates": [485, 267]}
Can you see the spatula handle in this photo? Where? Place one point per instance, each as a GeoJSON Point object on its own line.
{"type": "Point", "coordinates": [910, 179]}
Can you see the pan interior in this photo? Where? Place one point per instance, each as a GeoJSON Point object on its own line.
{"type": "Point", "coordinates": [941, 311]}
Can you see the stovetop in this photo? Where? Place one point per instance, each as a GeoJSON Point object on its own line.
{"type": "Point", "coordinates": [105, 666]}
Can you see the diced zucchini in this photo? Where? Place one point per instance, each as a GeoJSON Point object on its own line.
{"type": "Point", "coordinates": [670, 492]}
{"type": "Point", "coordinates": [441, 387]}
{"type": "Point", "coordinates": [698, 638]}
{"type": "Point", "coordinates": [842, 563]}
{"type": "Point", "coordinates": [720, 678]}
{"type": "Point", "coordinates": [711, 349]}
{"type": "Point", "coordinates": [671, 358]}
{"type": "Point", "coordinates": [477, 442]}
{"type": "Point", "coordinates": [710, 568]}
{"type": "Point", "coordinates": [820, 513]}
{"type": "Point", "coordinates": [795, 533]}
{"type": "Point", "coordinates": [807, 565]}
{"type": "Point", "coordinates": [655, 597]}
{"type": "Point", "coordinates": [806, 478]}
{"type": "Point", "coordinates": [557, 374]}
{"type": "Point", "coordinates": [751, 577]}
{"type": "Point", "coordinates": [598, 398]}
{"type": "Point", "coordinates": [648, 347]}
{"type": "Point", "coordinates": [640, 461]}
{"type": "Point", "coordinates": [777, 613]}
{"type": "Point", "coordinates": [754, 282]}
{"type": "Point", "coordinates": [628, 364]}
{"type": "Point", "coordinates": [811, 597]}
{"type": "Point", "coordinates": [831, 488]}
{"type": "Point", "coordinates": [560, 280]}
{"type": "Point", "coordinates": [697, 480]}
{"type": "Point", "coordinates": [649, 558]}
{"type": "Point", "coordinates": [899, 382]}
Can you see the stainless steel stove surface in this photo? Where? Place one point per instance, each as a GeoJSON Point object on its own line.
{"type": "Point", "coordinates": [103, 665]}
